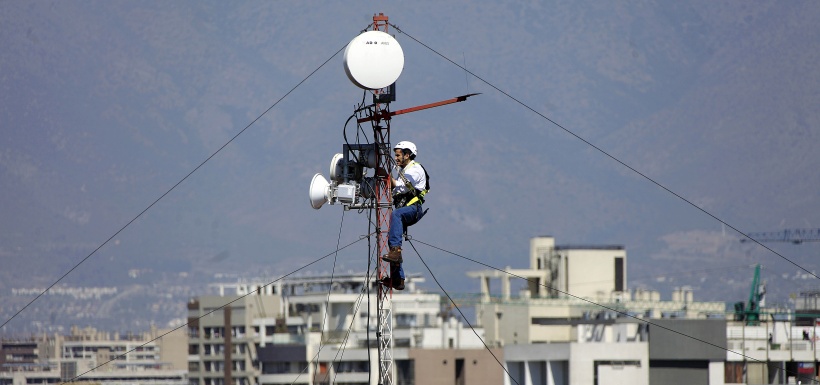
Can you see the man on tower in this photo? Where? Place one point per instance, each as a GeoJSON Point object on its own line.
{"type": "Point", "coordinates": [408, 195]}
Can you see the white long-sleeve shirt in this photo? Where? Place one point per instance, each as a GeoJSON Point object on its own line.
{"type": "Point", "coordinates": [415, 175]}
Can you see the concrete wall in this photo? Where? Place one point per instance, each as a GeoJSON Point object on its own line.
{"type": "Point", "coordinates": [512, 328]}
{"type": "Point", "coordinates": [683, 351]}
{"type": "Point", "coordinates": [679, 372]}
{"type": "Point", "coordinates": [173, 347]}
{"type": "Point", "coordinates": [669, 339]}
{"type": "Point", "coordinates": [610, 363]}
{"type": "Point", "coordinates": [716, 373]}
{"type": "Point", "coordinates": [438, 366]}
{"type": "Point", "coordinates": [552, 333]}
{"type": "Point", "coordinates": [540, 248]}
{"type": "Point", "coordinates": [591, 273]}
{"type": "Point", "coordinates": [537, 364]}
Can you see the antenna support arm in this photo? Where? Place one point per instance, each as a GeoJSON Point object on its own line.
{"type": "Point", "coordinates": [389, 114]}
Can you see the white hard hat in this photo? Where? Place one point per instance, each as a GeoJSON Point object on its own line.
{"type": "Point", "coordinates": [406, 145]}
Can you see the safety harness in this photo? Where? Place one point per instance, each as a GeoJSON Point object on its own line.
{"type": "Point", "coordinates": [413, 195]}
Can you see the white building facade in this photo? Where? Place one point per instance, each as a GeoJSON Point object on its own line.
{"type": "Point", "coordinates": [312, 330]}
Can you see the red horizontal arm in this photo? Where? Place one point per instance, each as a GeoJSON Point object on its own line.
{"type": "Point", "coordinates": [388, 115]}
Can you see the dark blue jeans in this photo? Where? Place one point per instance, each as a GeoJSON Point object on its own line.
{"type": "Point", "coordinates": [402, 218]}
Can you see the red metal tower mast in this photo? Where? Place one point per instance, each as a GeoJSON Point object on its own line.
{"type": "Point", "coordinates": [381, 135]}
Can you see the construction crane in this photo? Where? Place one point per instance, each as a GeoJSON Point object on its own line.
{"type": "Point", "coordinates": [750, 311]}
{"type": "Point", "coordinates": [796, 236]}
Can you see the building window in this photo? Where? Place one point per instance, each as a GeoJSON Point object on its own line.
{"type": "Point", "coordinates": [405, 372]}
{"type": "Point", "coordinates": [405, 320]}
{"type": "Point", "coordinates": [215, 332]}
{"type": "Point", "coordinates": [459, 371]}
{"type": "Point", "coordinates": [352, 367]}
{"type": "Point", "coordinates": [619, 274]}
{"type": "Point", "coordinates": [283, 367]}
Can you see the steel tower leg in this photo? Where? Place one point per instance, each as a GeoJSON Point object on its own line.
{"type": "Point", "coordinates": [384, 210]}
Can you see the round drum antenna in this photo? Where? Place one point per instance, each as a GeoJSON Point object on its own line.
{"type": "Point", "coordinates": [373, 60]}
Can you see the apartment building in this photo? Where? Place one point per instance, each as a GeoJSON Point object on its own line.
{"type": "Point", "coordinates": [87, 355]}
{"type": "Point", "coordinates": [323, 329]}
{"type": "Point", "coordinates": [575, 321]}
{"type": "Point", "coordinates": [624, 351]}
{"type": "Point", "coordinates": [568, 285]}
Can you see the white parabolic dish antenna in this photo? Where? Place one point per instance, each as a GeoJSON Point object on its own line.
{"type": "Point", "coordinates": [373, 60]}
{"type": "Point", "coordinates": [318, 191]}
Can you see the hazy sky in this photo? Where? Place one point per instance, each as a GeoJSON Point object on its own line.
{"type": "Point", "coordinates": [106, 105]}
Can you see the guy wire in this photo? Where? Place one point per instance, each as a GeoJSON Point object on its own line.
{"type": "Point", "coordinates": [173, 187]}
{"type": "Point", "coordinates": [602, 151]}
{"type": "Point", "coordinates": [462, 314]}
{"type": "Point", "coordinates": [214, 310]}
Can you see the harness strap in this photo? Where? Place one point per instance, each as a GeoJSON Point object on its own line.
{"type": "Point", "coordinates": [418, 195]}
{"type": "Point", "coordinates": [418, 198]}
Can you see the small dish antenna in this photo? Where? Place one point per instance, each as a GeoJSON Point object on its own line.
{"type": "Point", "coordinates": [373, 60]}
{"type": "Point", "coordinates": [337, 168]}
{"type": "Point", "coordinates": [319, 192]}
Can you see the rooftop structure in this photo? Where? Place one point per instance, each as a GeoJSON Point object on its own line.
{"type": "Point", "coordinates": [569, 285]}
{"type": "Point", "coordinates": [307, 330]}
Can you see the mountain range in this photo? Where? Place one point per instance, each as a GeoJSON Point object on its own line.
{"type": "Point", "coordinates": [180, 138]}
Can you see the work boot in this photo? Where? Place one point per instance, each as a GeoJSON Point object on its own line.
{"type": "Point", "coordinates": [397, 284]}
{"type": "Point", "coordinates": [394, 255]}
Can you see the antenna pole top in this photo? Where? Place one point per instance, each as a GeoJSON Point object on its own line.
{"type": "Point", "coordinates": [380, 22]}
